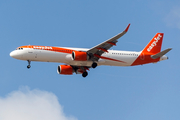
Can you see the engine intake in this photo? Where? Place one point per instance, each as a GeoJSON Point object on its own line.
{"type": "Point", "coordinates": [65, 70]}
{"type": "Point", "coordinates": [80, 56]}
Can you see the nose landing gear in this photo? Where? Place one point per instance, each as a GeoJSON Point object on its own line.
{"type": "Point", "coordinates": [29, 66]}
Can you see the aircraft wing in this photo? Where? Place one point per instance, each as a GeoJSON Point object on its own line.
{"type": "Point", "coordinates": [105, 46]}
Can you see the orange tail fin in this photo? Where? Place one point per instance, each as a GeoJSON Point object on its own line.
{"type": "Point", "coordinates": [154, 46]}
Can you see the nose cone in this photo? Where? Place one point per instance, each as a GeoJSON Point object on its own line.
{"type": "Point", "coordinates": [14, 54]}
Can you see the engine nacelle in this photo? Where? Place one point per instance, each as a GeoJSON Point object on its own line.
{"type": "Point", "coordinates": [80, 56]}
{"type": "Point", "coordinates": [65, 70]}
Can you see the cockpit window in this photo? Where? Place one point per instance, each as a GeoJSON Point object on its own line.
{"type": "Point", "coordinates": [19, 49]}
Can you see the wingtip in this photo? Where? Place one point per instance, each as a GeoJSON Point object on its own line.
{"type": "Point", "coordinates": [170, 49]}
{"type": "Point", "coordinates": [127, 28]}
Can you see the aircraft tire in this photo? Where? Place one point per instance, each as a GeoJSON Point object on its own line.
{"type": "Point", "coordinates": [94, 65]}
{"type": "Point", "coordinates": [28, 66]}
{"type": "Point", "coordinates": [85, 74]}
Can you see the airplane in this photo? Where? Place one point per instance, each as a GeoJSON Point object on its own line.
{"type": "Point", "coordinates": [80, 60]}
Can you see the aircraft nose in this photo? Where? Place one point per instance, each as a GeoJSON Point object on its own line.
{"type": "Point", "coordinates": [13, 54]}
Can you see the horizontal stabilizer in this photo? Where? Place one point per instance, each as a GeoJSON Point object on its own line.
{"type": "Point", "coordinates": [160, 54]}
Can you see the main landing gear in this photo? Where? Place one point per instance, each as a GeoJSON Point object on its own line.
{"type": "Point", "coordinates": [29, 66]}
{"type": "Point", "coordinates": [84, 74]}
{"type": "Point", "coordinates": [94, 65]}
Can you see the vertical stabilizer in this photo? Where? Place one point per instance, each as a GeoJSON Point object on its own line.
{"type": "Point", "coordinates": [154, 46]}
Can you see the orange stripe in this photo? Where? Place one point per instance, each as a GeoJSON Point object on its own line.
{"type": "Point", "coordinates": [63, 50]}
{"type": "Point", "coordinates": [108, 58]}
{"type": "Point", "coordinates": [49, 48]}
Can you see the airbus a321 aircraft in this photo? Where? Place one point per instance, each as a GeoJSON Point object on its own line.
{"type": "Point", "coordinates": [79, 60]}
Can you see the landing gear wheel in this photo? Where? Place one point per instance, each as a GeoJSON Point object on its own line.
{"type": "Point", "coordinates": [29, 62]}
{"type": "Point", "coordinates": [28, 66]}
{"type": "Point", "coordinates": [85, 74]}
{"type": "Point", "coordinates": [94, 65]}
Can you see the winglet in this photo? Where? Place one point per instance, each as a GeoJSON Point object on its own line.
{"type": "Point", "coordinates": [127, 28]}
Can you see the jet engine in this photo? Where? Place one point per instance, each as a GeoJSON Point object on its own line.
{"type": "Point", "coordinates": [65, 70]}
{"type": "Point", "coordinates": [80, 56]}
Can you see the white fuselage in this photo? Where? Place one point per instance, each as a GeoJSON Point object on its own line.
{"type": "Point", "coordinates": [112, 57]}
